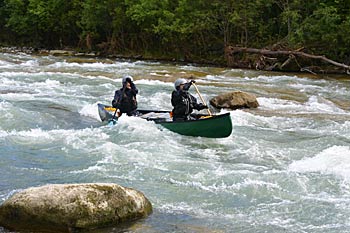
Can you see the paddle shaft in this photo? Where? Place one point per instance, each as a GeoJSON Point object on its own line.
{"type": "Point", "coordinates": [116, 109]}
{"type": "Point", "coordinates": [200, 96]}
{"type": "Point", "coordinates": [114, 114]}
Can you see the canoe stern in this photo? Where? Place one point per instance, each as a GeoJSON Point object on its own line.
{"type": "Point", "coordinates": [219, 126]}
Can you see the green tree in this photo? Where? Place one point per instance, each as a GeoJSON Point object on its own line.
{"type": "Point", "coordinates": [321, 29]}
{"type": "Point", "coordinates": [3, 16]}
{"type": "Point", "coordinates": [17, 16]}
{"type": "Point", "coordinates": [105, 25]}
{"type": "Point", "coordinates": [43, 23]}
{"type": "Point", "coordinates": [178, 28]}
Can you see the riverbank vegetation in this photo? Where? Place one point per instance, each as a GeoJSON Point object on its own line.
{"type": "Point", "coordinates": [179, 29]}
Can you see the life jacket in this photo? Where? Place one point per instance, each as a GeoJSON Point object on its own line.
{"type": "Point", "coordinates": [182, 103]}
{"type": "Point", "coordinates": [128, 102]}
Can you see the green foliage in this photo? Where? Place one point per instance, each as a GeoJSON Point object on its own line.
{"type": "Point", "coordinates": [42, 22]}
{"type": "Point", "coordinates": [186, 28]}
{"type": "Point", "coordinates": [325, 29]}
{"type": "Point", "coordinates": [17, 19]}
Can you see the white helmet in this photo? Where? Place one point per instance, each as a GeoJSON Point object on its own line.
{"type": "Point", "coordinates": [179, 82]}
{"type": "Point", "coordinates": [125, 79]}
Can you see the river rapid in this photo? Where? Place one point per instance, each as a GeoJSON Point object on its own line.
{"type": "Point", "coordinates": [285, 167]}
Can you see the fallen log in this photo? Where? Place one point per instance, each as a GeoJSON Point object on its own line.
{"type": "Point", "coordinates": [231, 51]}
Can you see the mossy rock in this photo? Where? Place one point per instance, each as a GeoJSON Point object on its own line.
{"type": "Point", "coordinates": [235, 100]}
{"type": "Point", "coordinates": [67, 207]}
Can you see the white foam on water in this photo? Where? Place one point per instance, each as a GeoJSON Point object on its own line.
{"type": "Point", "coordinates": [160, 73]}
{"type": "Point", "coordinates": [32, 136]}
{"type": "Point", "coordinates": [5, 64]}
{"type": "Point", "coordinates": [144, 62]}
{"type": "Point", "coordinates": [3, 133]}
{"type": "Point", "coordinates": [157, 101]}
{"type": "Point", "coordinates": [4, 105]}
{"type": "Point", "coordinates": [90, 110]}
{"type": "Point", "coordinates": [153, 82]}
{"type": "Point", "coordinates": [279, 104]}
{"type": "Point", "coordinates": [8, 82]}
{"type": "Point", "coordinates": [340, 129]}
{"type": "Point", "coordinates": [315, 104]}
{"type": "Point", "coordinates": [77, 139]}
{"type": "Point", "coordinates": [97, 77]}
{"type": "Point", "coordinates": [48, 83]}
{"type": "Point", "coordinates": [95, 65]}
{"type": "Point", "coordinates": [137, 125]}
{"type": "Point", "coordinates": [28, 76]}
{"type": "Point", "coordinates": [31, 82]}
{"type": "Point", "coordinates": [212, 78]}
{"type": "Point", "coordinates": [190, 67]}
{"type": "Point", "coordinates": [30, 63]}
{"type": "Point", "coordinates": [277, 78]}
{"type": "Point", "coordinates": [17, 96]}
{"type": "Point", "coordinates": [334, 160]}
{"type": "Point", "coordinates": [8, 195]}
{"type": "Point", "coordinates": [319, 104]}
{"type": "Point", "coordinates": [85, 138]}
{"type": "Point", "coordinates": [198, 210]}
{"type": "Point", "coordinates": [108, 149]}
{"type": "Point", "coordinates": [136, 145]}
{"type": "Point", "coordinates": [302, 87]}
{"type": "Point", "coordinates": [221, 187]}
{"type": "Point", "coordinates": [243, 118]}
{"type": "Point", "coordinates": [23, 89]}
{"type": "Point", "coordinates": [220, 79]}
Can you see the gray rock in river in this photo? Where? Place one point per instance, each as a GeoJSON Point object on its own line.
{"type": "Point", "coordinates": [235, 100]}
{"type": "Point", "coordinates": [65, 207]}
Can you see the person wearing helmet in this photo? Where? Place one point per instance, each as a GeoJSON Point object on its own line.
{"type": "Point", "coordinates": [125, 97]}
{"type": "Point", "coordinates": [183, 102]}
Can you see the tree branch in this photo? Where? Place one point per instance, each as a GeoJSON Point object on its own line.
{"type": "Point", "coordinates": [232, 50]}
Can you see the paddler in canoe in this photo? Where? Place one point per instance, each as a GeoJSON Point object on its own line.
{"type": "Point", "coordinates": [125, 98]}
{"type": "Point", "coordinates": [183, 102]}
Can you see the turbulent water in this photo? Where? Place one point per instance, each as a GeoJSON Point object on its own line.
{"type": "Point", "coordinates": [285, 168]}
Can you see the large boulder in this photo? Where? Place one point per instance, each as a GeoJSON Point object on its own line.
{"type": "Point", "coordinates": [235, 100]}
{"type": "Point", "coordinates": [68, 207]}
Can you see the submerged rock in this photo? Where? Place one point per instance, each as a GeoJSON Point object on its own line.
{"type": "Point", "coordinates": [235, 100]}
{"type": "Point", "coordinates": [66, 207]}
{"type": "Point", "coordinates": [61, 52]}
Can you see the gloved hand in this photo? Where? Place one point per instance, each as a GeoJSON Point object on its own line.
{"type": "Point", "coordinates": [192, 81]}
{"type": "Point", "coordinates": [187, 86]}
{"type": "Point", "coordinates": [114, 104]}
{"type": "Point", "coordinates": [202, 106]}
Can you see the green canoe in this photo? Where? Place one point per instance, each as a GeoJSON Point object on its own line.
{"type": "Point", "coordinates": [216, 126]}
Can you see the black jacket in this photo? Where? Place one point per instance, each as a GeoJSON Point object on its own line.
{"type": "Point", "coordinates": [125, 99]}
{"type": "Point", "coordinates": [184, 103]}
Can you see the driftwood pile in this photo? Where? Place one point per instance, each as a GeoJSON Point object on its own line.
{"type": "Point", "coordinates": [283, 60]}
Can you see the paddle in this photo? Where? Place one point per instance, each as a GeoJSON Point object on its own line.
{"type": "Point", "coordinates": [114, 120]}
{"type": "Point", "coordinates": [200, 96]}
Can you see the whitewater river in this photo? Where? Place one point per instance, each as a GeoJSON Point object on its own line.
{"type": "Point", "coordinates": [285, 168]}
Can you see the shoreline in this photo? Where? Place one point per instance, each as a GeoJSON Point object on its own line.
{"type": "Point", "coordinates": [324, 70]}
{"type": "Point", "coordinates": [98, 55]}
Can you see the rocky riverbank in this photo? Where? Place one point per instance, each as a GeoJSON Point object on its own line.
{"type": "Point", "coordinates": [313, 64]}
